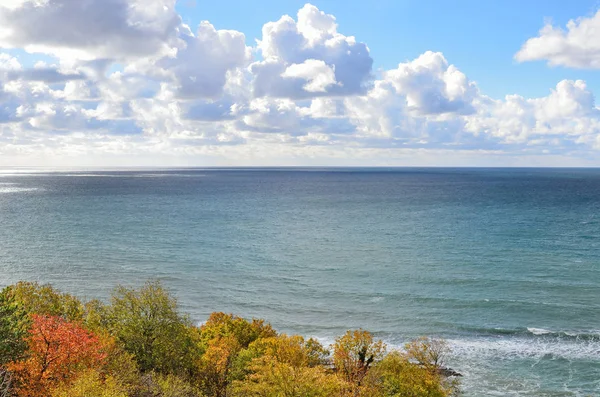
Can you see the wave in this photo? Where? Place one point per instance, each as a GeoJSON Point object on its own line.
{"type": "Point", "coordinates": [538, 331]}
{"type": "Point", "coordinates": [533, 332]}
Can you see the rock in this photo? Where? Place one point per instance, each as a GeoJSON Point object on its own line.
{"type": "Point", "coordinates": [448, 372]}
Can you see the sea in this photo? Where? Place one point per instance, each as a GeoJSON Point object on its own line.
{"type": "Point", "coordinates": [503, 263]}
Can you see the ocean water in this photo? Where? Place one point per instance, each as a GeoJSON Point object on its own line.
{"type": "Point", "coordinates": [504, 263]}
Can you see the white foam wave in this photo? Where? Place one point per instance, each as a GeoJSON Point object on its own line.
{"type": "Point", "coordinates": [523, 348]}
{"type": "Point", "coordinates": [538, 331]}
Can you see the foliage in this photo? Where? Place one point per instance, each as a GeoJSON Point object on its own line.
{"type": "Point", "coordinates": [271, 377]}
{"type": "Point", "coordinates": [91, 384]}
{"type": "Point", "coordinates": [243, 331]}
{"type": "Point", "coordinates": [293, 350]}
{"type": "Point", "coordinates": [428, 352]}
{"type": "Point", "coordinates": [44, 299]}
{"type": "Point", "coordinates": [354, 354]}
{"type": "Point", "coordinates": [150, 327]}
{"type": "Point", "coordinates": [284, 366]}
{"type": "Point", "coordinates": [57, 351]}
{"type": "Point", "coordinates": [159, 385]}
{"type": "Point", "coordinates": [396, 376]}
{"type": "Point", "coordinates": [139, 345]}
{"type": "Point", "coordinates": [13, 328]}
{"type": "Point", "coordinates": [222, 337]}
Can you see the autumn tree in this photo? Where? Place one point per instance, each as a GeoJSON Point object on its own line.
{"type": "Point", "coordinates": [428, 352]}
{"type": "Point", "coordinates": [396, 376]}
{"type": "Point", "coordinates": [160, 385]}
{"type": "Point", "coordinates": [222, 337]}
{"type": "Point", "coordinates": [91, 383]}
{"type": "Point", "coordinates": [57, 351]}
{"type": "Point", "coordinates": [293, 350]}
{"type": "Point", "coordinates": [270, 377]}
{"type": "Point", "coordinates": [354, 354]}
{"type": "Point", "coordinates": [286, 366]}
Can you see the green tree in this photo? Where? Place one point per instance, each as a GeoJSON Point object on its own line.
{"type": "Point", "coordinates": [14, 324]}
{"type": "Point", "coordinates": [34, 298]}
{"type": "Point", "coordinates": [149, 326]}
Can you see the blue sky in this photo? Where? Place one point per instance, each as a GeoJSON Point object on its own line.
{"type": "Point", "coordinates": [383, 82]}
{"type": "Point", "coordinates": [480, 37]}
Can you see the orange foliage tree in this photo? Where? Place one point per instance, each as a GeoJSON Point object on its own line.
{"type": "Point", "coordinates": [57, 352]}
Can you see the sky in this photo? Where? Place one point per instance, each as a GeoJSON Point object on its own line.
{"type": "Point", "coordinates": [289, 83]}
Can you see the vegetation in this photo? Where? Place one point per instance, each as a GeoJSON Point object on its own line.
{"type": "Point", "coordinates": [140, 345]}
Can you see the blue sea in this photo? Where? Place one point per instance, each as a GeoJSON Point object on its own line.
{"type": "Point", "coordinates": [503, 263]}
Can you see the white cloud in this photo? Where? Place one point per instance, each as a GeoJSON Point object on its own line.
{"type": "Point", "coordinates": [140, 85]}
{"type": "Point", "coordinates": [578, 46]}
{"type": "Point", "coordinates": [431, 86]}
{"type": "Point", "coordinates": [313, 49]}
{"type": "Point", "coordinates": [201, 66]}
{"type": "Point", "coordinates": [568, 113]}
{"type": "Point", "coordinates": [318, 74]}
{"type": "Point", "coordinates": [87, 30]}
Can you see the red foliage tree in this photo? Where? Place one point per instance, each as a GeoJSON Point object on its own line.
{"type": "Point", "coordinates": [57, 351]}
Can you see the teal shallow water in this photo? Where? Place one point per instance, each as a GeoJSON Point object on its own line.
{"type": "Point", "coordinates": [503, 263]}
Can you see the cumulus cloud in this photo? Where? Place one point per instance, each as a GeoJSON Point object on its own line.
{"type": "Point", "coordinates": [201, 66]}
{"type": "Point", "coordinates": [119, 29]}
{"type": "Point", "coordinates": [568, 113]}
{"type": "Point", "coordinates": [432, 86]}
{"type": "Point", "coordinates": [578, 46]}
{"type": "Point", "coordinates": [128, 78]}
{"type": "Point", "coordinates": [310, 58]}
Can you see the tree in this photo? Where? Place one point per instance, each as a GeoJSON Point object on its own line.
{"type": "Point", "coordinates": [159, 385]}
{"type": "Point", "coordinates": [284, 366]}
{"type": "Point", "coordinates": [396, 376]}
{"type": "Point", "coordinates": [44, 299]}
{"type": "Point", "coordinates": [14, 324]}
{"type": "Point", "coordinates": [428, 352]}
{"type": "Point", "coordinates": [222, 337]}
{"type": "Point", "coordinates": [354, 354]}
{"type": "Point", "coordinates": [293, 350]}
{"type": "Point", "coordinates": [91, 384]}
{"type": "Point", "coordinates": [270, 377]}
{"type": "Point", "coordinates": [244, 331]}
{"type": "Point", "coordinates": [57, 351]}
{"type": "Point", "coordinates": [149, 326]}
{"type": "Point", "coordinates": [431, 354]}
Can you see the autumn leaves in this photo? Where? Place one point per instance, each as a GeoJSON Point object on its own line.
{"type": "Point", "coordinates": [139, 345]}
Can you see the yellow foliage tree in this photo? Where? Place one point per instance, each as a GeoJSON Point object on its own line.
{"type": "Point", "coordinates": [91, 384]}
{"type": "Point", "coordinates": [271, 378]}
{"type": "Point", "coordinates": [353, 356]}
{"type": "Point", "coordinates": [222, 337]}
{"type": "Point", "coordinates": [396, 376]}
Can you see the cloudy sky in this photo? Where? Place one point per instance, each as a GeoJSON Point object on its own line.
{"type": "Point", "coordinates": [272, 82]}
